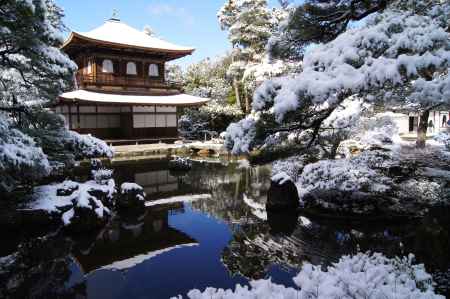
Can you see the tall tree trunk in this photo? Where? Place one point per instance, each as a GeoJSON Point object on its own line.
{"type": "Point", "coordinates": [247, 101]}
{"type": "Point", "coordinates": [237, 93]}
{"type": "Point", "coordinates": [422, 129]}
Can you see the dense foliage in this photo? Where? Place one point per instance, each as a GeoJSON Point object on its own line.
{"type": "Point", "coordinates": [33, 72]}
{"type": "Point", "coordinates": [250, 23]}
{"type": "Point", "coordinates": [398, 57]}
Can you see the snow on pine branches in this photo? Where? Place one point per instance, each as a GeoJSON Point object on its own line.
{"type": "Point", "coordinates": [20, 158]}
{"type": "Point", "coordinates": [363, 275]}
{"type": "Point", "coordinates": [395, 52]}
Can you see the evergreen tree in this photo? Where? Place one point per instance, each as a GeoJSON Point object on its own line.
{"type": "Point", "coordinates": [397, 57]}
{"type": "Point", "coordinates": [33, 72]}
{"type": "Point", "coordinates": [249, 26]}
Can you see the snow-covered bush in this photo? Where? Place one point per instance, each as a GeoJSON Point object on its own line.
{"type": "Point", "coordinates": [343, 175]}
{"type": "Point", "coordinates": [127, 187]}
{"type": "Point", "coordinates": [132, 196]}
{"type": "Point", "coordinates": [292, 166]}
{"type": "Point", "coordinates": [21, 159]}
{"type": "Point", "coordinates": [240, 136]}
{"type": "Point", "coordinates": [378, 130]}
{"type": "Point", "coordinates": [444, 138]}
{"type": "Point", "coordinates": [367, 275]}
{"type": "Point", "coordinates": [102, 176]}
{"type": "Point", "coordinates": [363, 275]}
{"type": "Point", "coordinates": [88, 146]}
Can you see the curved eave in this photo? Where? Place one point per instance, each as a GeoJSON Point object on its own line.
{"type": "Point", "coordinates": [118, 45]}
{"type": "Point", "coordinates": [87, 97]}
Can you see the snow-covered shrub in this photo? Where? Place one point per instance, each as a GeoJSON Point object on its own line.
{"type": "Point", "coordinates": [240, 136]}
{"type": "Point", "coordinates": [102, 176]}
{"type": "Point", "coordinates": [367, 275]}
{"type": "Point", "coordinates": [87, 214]}
{"type": "Point", "coordinates": [85, 203]}
{"type": "Point", "coordinates": [444, 138]}
{"type": "Point", "coordinates": [88, 146]}
{"type": "Point", "coordinates": [363, 275]}
{"type": "Point", "coordinates": [132, 196]}
{"type": "Point", "coordinates": [21, 159]}
{"type": "Point", "coordinates": [127, 187]}
{"type": "Point", "coordinates": [379, 130]}
{"type": "Point", "coordinates": [343, 175]}
{"type": "Point", "coordinates": [423, 191]}
{"type": "Point", "coordinates": [61, 145]}
{"type": "Point", "coordinates": [291, 166]}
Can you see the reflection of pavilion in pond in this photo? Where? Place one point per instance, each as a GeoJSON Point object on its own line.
{"type": "Point", "coordinates": [154, 177]}
{"type": "Point", "coordinates": [124, 245]}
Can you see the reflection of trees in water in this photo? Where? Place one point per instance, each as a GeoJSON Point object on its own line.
{"type": "Point", "coordinates": [289, 240]}
{"type": "Point", "coordinates": [227, 186]}
{"type": "Point", "coordinates": [39, 269]}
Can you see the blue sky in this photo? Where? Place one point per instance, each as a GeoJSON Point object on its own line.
{"type": "Point", "coordinates": [184, 22]}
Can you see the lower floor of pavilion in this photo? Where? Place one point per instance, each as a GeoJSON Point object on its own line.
{"type": "Point", "coordinates": [124, 117]}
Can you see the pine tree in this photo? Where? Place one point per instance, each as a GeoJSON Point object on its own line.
{"type": "Point", "coordinates": [249, 25]}
{"type": "Point", "coordinates": [33, 73]}
{"type": "Point", "coordinates": [398, 57]}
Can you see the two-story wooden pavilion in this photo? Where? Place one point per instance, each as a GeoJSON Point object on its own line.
{"type": "Point", "coordinates": [121, 91]}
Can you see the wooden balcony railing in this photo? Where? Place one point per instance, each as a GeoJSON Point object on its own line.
{"type": "Point", "coordinates": [125, 81]}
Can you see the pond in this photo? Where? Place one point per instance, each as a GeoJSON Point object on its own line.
{"type": "Point", "coordinates": [204, 228]}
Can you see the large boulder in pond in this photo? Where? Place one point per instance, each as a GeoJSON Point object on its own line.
{"type": "Point", "coordinates": [132, 197]}
{"type": "Point", "coordinates": [282, 195]}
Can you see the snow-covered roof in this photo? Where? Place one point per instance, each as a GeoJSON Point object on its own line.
{"type": "Point", "coordinates": [116, 32]}
{"type": "Point", "coordinates": [107, 98]}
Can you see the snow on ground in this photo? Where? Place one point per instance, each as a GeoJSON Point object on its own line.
{"type": "Point", "coordinates": [363, 275]}
{"type": "Point", "coordinates": [46, 198]}
{"type": "Point", "coordinates": [175, 199]}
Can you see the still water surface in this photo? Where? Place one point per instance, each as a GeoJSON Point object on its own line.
{"type": "Point", "coordinates": [208, 228]}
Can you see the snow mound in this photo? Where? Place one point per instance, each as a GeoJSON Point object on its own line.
{"type": "Point", "coordinates": [363, 275]}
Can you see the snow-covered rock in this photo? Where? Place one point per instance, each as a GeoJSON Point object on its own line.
{"type": "Point", "coordinates": [282, 195]}
{"type": "Point", "coordinates": [132, 196]}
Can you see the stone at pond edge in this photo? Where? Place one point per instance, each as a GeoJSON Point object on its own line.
{"type": "Point", "coordinates": [180, 164]}
{"type": "Point", "coordinates": [131, 197]}
{"type": "Point", "coordinates": [282, 197]}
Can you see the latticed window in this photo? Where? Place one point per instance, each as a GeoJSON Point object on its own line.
{"type": "Point", "coordinates": [107, 66]}
{"type": "Point", "coordinates": [153, 70]}
{"type": "Point", "coordinates": [131, 68]}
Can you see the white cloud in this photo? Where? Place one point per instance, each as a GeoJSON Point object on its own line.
{"type": "Point", "coordinates": [171, 10]}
